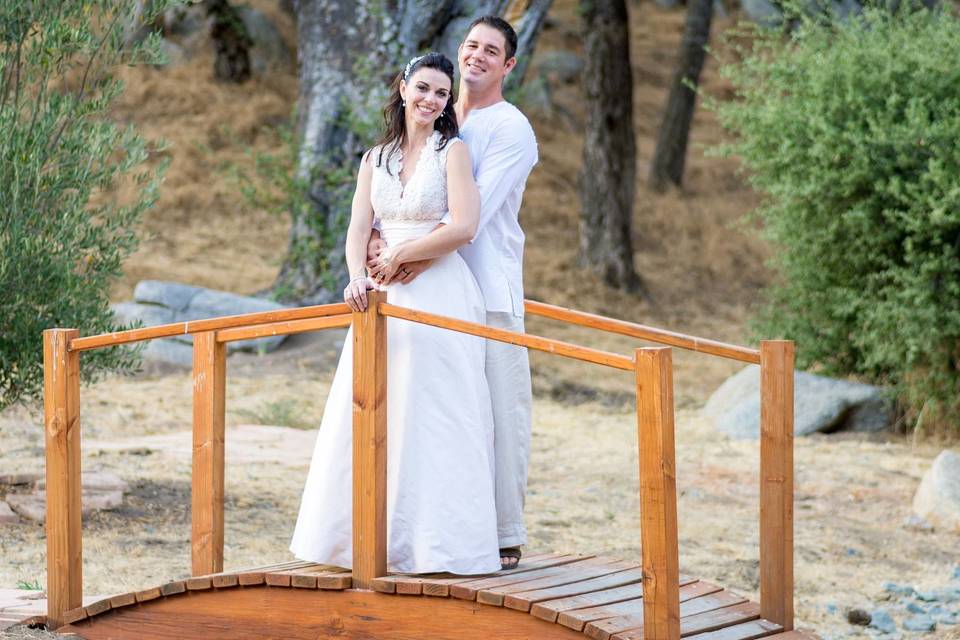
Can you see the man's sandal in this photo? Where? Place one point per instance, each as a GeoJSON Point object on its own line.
{"type": "Point", "coordinates": [510, 557]}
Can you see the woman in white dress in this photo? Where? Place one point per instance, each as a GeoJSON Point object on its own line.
{"type": "Point", "coordinates": [440, 493]}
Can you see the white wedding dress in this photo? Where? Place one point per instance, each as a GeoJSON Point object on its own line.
{"type": "Point", "coordinates": [441, 513]}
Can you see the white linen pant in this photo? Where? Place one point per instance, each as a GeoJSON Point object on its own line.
{"type": "Point", "coordinates": [508, 374]}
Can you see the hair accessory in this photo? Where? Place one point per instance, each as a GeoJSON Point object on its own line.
{"type": "Point", "coordinates": [413, 61]}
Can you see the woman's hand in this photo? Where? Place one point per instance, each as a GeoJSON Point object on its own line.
{"type": "Point", "coordinates": [386, 265]}
{"type": "Point", "coordinates": [355, 293]}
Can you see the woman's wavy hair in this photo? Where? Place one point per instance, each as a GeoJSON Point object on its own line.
{"type": "Point", "coordinates": [394, 118]}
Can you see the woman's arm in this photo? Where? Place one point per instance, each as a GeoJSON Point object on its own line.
{"type": "Point", "coordinates": [463, 200]}
{"type": "Point", "coordinates": [358, 235]}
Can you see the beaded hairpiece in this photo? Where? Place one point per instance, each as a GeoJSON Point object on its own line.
{"type": "Point", "coordinates": [410, 65]}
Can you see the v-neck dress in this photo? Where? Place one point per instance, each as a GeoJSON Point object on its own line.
{"type": "Point", "coordinates": [441, 514]}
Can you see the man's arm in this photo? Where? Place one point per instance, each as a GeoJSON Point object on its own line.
{"type": "Point", "coordinates": [506, 163]}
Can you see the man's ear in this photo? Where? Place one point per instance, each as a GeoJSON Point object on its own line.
{"type": "Point", "coordinates": [509, 65]}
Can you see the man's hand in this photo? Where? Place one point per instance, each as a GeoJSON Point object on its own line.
{"type": "Point", "coordinates": [410, 270]}
{"type": "Point", "coordinates": [375, 247]}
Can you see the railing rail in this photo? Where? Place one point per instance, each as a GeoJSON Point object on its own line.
{"type": "Point", "coordinates": [652, 367]}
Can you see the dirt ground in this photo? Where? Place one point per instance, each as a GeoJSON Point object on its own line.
{"type": "Point", "coordinates": [853, 494]}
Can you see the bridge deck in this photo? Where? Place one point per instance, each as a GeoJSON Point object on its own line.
{"type": "Point", "coordinates": [599, 597]}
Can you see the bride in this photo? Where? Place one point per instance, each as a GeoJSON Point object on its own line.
{"type": "Point", "coordinates": [440, 493]}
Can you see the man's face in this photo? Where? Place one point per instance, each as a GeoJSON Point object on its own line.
{"type": "Point", "coordinates": [482, 58]}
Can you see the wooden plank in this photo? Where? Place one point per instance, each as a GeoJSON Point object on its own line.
{"type": "Point", "coordinates": [658, 493]}
{"type": "Point", "coordinates": [744, 631]}
{"type": "Point", "coordinates": [199, 584]}
{"type": "Point", "coordinates": [123, 600]}
{"type": "Point", "coordinates": [776, 481]}
{"type": "Point", "coordinates": [251, 578]}
{"type": "Point", "coordinates": [289, 327]}
{"type": "Point", "coordinates": [469, 590]}
{"type": "Point", "coordinates": [794, 635]}
{"type": "Point", "coordinates": [61, 409]}
{"type": "Point", "coordinates": [209, 395]}
{"type": "Point", "coordinates": [530, 341]}
{"type": "Point", "coordinates": [74, 615]}
{"type": "Point", "coordinates": [98, 607]}
{"type": "Point", "coordinates": [578, 618]}
{"type": "Point", "coordinates": [438, 584]}
{"type": "Point", "coordinates": [369, 442]}
{"type": "Point", "coordinates": [551, 609]}
{"type": "Point", "coordinates": [565, 575]}
{"type": "Point", "coordinates": [524, 600]}
{"type": "Point", "coordinates": [716, 619]}
{"type": "Point", "coordinates": [148, 594]}
{"type": "Point", "coordinates": [605, 629]}
{"type": "Point", "coordinates": [210, 324]}
{"type": "Point", "coordinates": [173, 588]}
{"type": "Point", "coordinates": [266, 568]}
{"type": "Point", "coordinates": [651, 334]}
{"type": "Point", "coordinates": [225, 581]}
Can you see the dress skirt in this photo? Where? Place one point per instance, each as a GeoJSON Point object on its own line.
{"type": "Point", "coordinates": [441, 514]}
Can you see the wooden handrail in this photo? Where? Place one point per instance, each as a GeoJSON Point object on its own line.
{"type": "Point", "coordinates": [539, 343]}
{"type": "Point", "coordinates": [651, 334]}
{"type": "Point", "coordinates": [209, 324]}
{"type": "Point", "coordinates": [289, 327]}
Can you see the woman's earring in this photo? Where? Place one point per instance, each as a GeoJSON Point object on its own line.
{"type": "Point", "coordinates": [403, 103]}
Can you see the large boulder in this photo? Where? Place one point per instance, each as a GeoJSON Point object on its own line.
{"type": "Point", "coordinates": [157, 302]}
{"type": "Point", "coordinates": [938, 498]}
{"type": "Point", "coordinates": [269, 50]}
{"type": "Point", "coordinates": [821, 404]}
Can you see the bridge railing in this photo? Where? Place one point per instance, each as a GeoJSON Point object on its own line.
{"type": "Point", "coordinates": [652, 368]}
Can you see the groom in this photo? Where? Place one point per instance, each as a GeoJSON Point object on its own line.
{"type": "Point", "coordinates": [503, 150]}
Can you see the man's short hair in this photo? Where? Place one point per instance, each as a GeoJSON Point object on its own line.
{"type": "Point", "coordinates": [501, 25]}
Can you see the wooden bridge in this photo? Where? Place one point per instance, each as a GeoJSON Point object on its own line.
{"type": "Point", "coordinates": [548, 596]}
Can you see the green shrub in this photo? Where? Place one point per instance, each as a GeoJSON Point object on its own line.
{"type": "Point", "coordinates": [850, 130]}
{"type": "Point", "coordinates": [62, 238]}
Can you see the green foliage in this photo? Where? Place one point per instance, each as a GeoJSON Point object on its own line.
{"type": "Point", "coordinates": [278, 413]}
{"type": "Point", "coordinates": [28, 585]}
{"type": "Point", "coordinates": [850, 131]}
{"type": "Point", "coordinates": [62, 240]}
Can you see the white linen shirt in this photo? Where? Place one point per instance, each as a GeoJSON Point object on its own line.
{"type": "Point", "coordinates": [503, 150]}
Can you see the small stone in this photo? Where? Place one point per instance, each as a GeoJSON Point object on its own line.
{"type": "Point", "coordinates": [947, 617]}
{"type": "Point", "coordinates": [937, 499]}
{"type": "Point", "coordinates": [956, 573]}
{"type": "Point", "coordinates": [96, 481]}
{"type": "Point", "coordinates": [915, 522]}
{"type": "Point", "coordinates": [913, 607]}
{"type": "Point", "coordinates": [858, 617]}
{"type": "Point", "coordinates": [13, 479]}
{"type": "Point", "coordinates": [927, 595]}
{"type": "Point", "coordinates": [7, 516]}
{"type": "Point", "coordinates": [832, 608]}
{"type": "Point", "coordinates": [899, 589]}
{"type": "Point", "coordinates": [919, 623]}
{"type": "Point", "coordinates": [881, 620]}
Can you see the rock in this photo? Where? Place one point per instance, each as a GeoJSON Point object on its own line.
{"type": "Point", "coordinates": [913, 607]}
{"type": "Point", "coordinates": [858, 617]}
{"type": "Point", "coordinates": [821, 404]}
{"type": "Point", "coordinates": [96, 481]}
{"type": "Point", "coordinates": [919, 623]}
{"type": "Point", "coordinates": [899, 589]}
{"type": "Point", "coordinates": [763, 12]}
{"type": "Point", "coordinates": [938, 498]}
{"type": "Point", "coordinates": [917, 523]}
{"type": "Point", "coordinates": [563, 66]}
{"type": "Point", "coordinates": [881, 620]}
{"type": "Point", "coordinates": [184, 20]}
{"type": "Point", "coordinates": [33, 506]}
{"type": "Point", "coordinates": [173, 54]}
{"type": "Point", "coordinates": [668, 4]}
{"type": "Point", "coordinates": [29, 505]}
{"type": "Point", "coordinates": [13, 479]}
{"type": "Point", "coordinates": [158, 302]}
{"type": "Point", "coordinates": [169, 351]}
{"type": "Point", "coordinates": [269, 51]}
{"type": "Point", "coordinates": [956, 573]}
{"type": "Point", "coordinates": [7, 516]}
{"type": "Point", "coordinates": [947, 617]}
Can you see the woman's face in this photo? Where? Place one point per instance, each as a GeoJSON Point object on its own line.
{"type": "Point", "coordinates": [426, 93]}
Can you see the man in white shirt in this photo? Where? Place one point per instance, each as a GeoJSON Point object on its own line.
{"type": "Point", "coordinates": [503, 149]}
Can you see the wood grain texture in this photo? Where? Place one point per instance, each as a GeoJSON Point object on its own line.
{"type": "Point", "coordinates": [551, 609]}
{"type": "Point", "coordinates": [469, 590]}
{"type": "Point", "coordinates": [261, 612]}
{"type": "Point", "coordinates": [209, 395]}
{"type": "Point", "coordinates": [563, 576]}
{"type": "Point", "coordinates": [539, 343]}
{"type": "Point", "coordinates": [715, 599]}
{"type": "Point", "coordinates": [369, 443]}
{"type": "Point", "coordinates": [658, 494]}
{"type": "Point", "coordinates": [776, 481]}
{"type": "Point", "coordinates": [61, 408]}
{"type": "Point", "coordinates": [210, 324]}
{"type": "Point", "coordinates": [651, 334]}
{"type": "Point", "coordinates": [522, 601]}
{"type": "Point", "coordinates": [289, 327]}
{"type": "Point", "coordinates": [578, 618]}
{"type": "Point", "coordinates": [743, 631]}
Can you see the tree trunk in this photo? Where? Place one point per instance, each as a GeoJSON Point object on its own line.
{"type": "Point", "coordinates": [671, 151]}
{"type": "Point", "coordinates": [231, 42]}
{"type": "Point", "coordinates": [609, 151]}
{"type": "Point", "coordinates": [348, 54]}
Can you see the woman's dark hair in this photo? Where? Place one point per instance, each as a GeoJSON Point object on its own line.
{"type": "Point", "coordinates": [394, 120]}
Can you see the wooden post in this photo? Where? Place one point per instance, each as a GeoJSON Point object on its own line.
{"type": "Point", "coordinates": [61, 408]}
{"type": "Point", "coordinates": [209, 390]}
{"type": "Point", "coordinates": [369, 443]}
{"type": "Point", "coordinates": [658, 494]}
{"type": "Point", "coordinates": [776, 482]}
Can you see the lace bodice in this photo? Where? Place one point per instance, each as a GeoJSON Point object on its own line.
{"type": "Point", "coordinates": [424, 197]}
